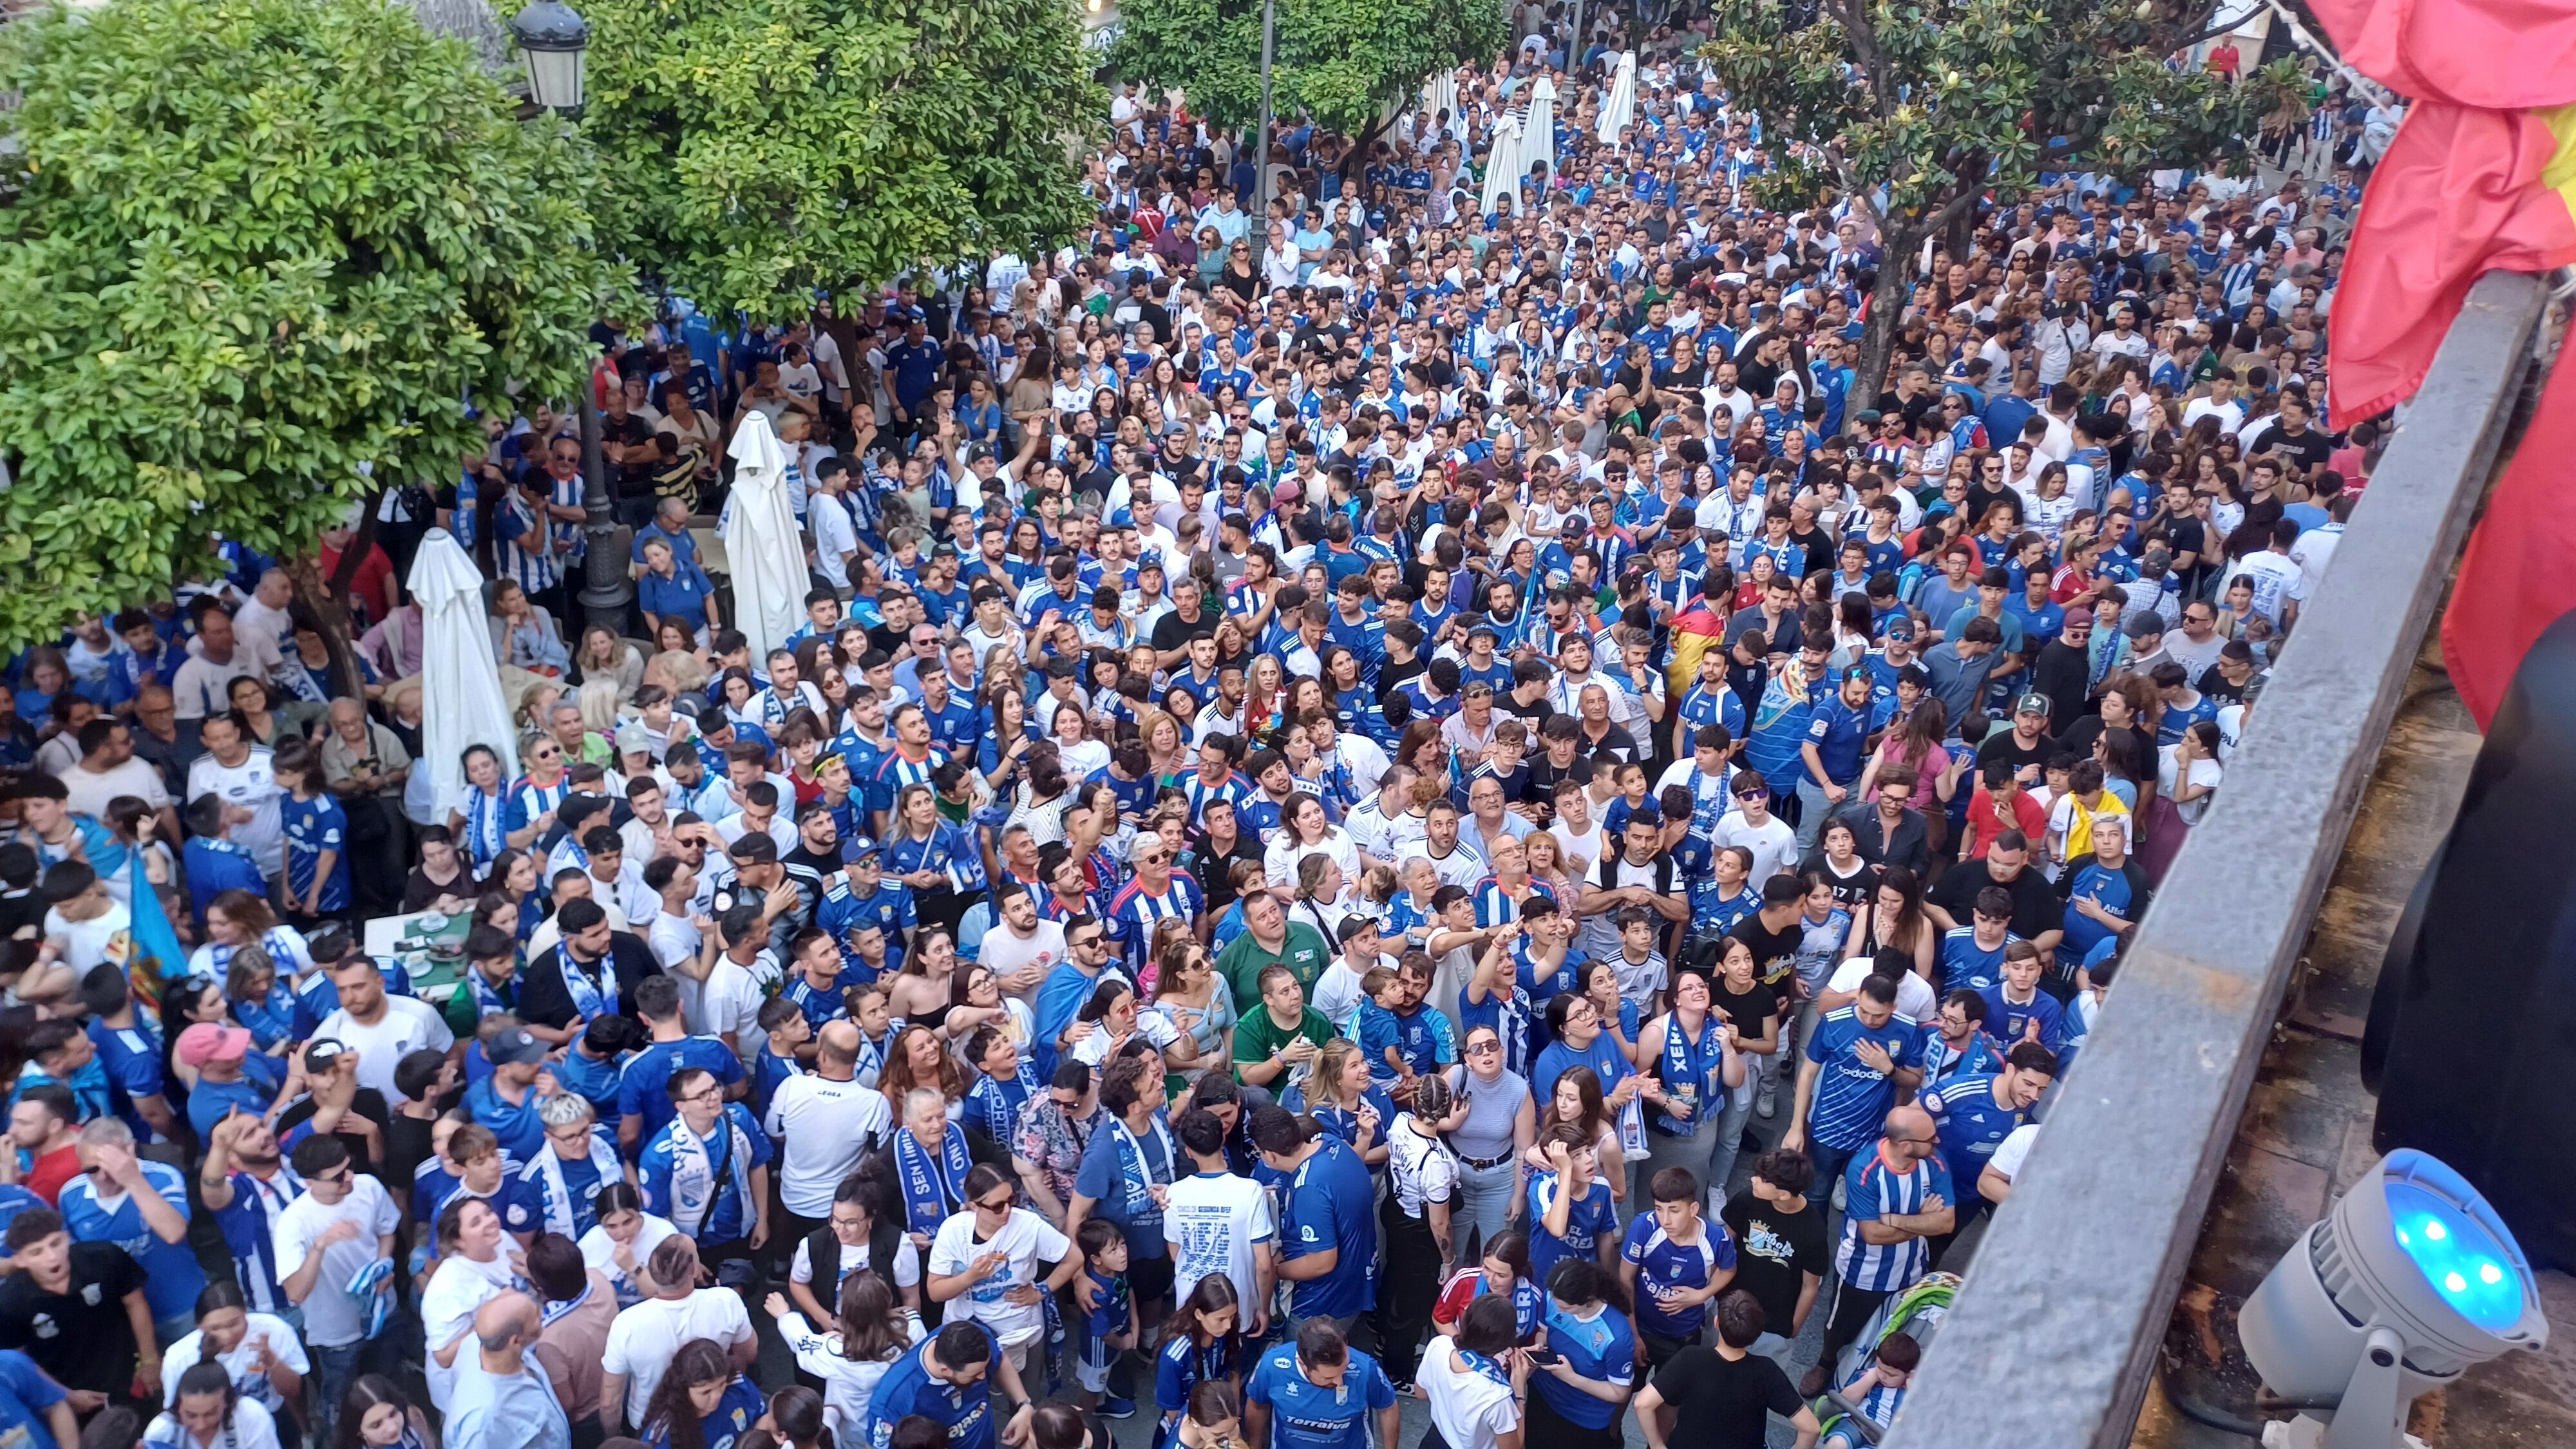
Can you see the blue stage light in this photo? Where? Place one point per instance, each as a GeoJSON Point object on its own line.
{"type": "Point", "coordinates": [2458, 1256]}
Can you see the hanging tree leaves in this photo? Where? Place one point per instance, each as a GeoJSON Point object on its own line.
{"type": "Point", "coordinates": [246, 247]}
{"type": "Point", "coordinates": [1347, 63]}
{"type": "Point", "coordinates": [1917, 111]}
{"type": "Point", "coordinates": [754, 150]}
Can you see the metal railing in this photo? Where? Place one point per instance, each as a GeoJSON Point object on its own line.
{"type": "Point", "coordinates": [2057, 1328]}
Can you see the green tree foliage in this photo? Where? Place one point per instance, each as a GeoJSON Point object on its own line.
{"type": "Point", "coordinates": [247, 247]}
{"type": "Point", "coordinates": [749, 148]}
{"type": "Point", "coordinates": [1941, 102]}
{"type": "Point", "coordinates": [1347, 63]}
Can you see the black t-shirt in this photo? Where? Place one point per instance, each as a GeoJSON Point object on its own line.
{"type": "Point", "coordinates": [406, 1148]}
{"type": "Point", "coordinates": [1747, 1011]}
{"type": "Point", "coordinates": [2309, 449]}
{"type": "Point", "coordinates": [1775, 953]}
{"type": "Point", "coordinates": [2004, 744]}
{"type": "Point", "coordinates": [1851, 891]}
{"type": "Point", "coordinates": [1723, 1403]}
{"type": "Point", "coordinates": [2035, 905]}
{"type": "Point", "coordinates": [1774, 1251]}
{"type": "Point", "coordinates": [1171, 632]}
{"type": "Point", "coordinates": [82, 1337]}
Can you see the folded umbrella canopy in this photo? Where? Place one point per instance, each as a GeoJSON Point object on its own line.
{"type": "Point", "coordinates": [460, 682]}
{"type": "Point", "coordinates": [1503, 166]}
{"type": "Point", "coordinates": [1538, 133]}
{"type": "Point", "coordinates": [1621, 110]}
{"type": "Point", "coordinates": [761, 541]}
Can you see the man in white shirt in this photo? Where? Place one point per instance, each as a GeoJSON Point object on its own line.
{"type": "Point", "coordinates": [826, 1121]}
{"type": "Point", "coordinates": [380, 1028]}
{"type": "Point", "coordinates": [237, 771]}
{"type": "Point", "coordinates": [644, 1338]}
{"type": "Point", "coordinates": [107, 768]}
{"type": "Point", "coordinates": [1752, 825]}
{"type": "Point", "coordinates": [219, 655]}
{"type": "Point", "coordinates": [342, 1221]}
{"type": "Point", "coordinates": [1216, 1222]}
{"type": "Point", "coordinates": [1019, 940]}
{"type": "Point", "coordinates": [2221, 404]}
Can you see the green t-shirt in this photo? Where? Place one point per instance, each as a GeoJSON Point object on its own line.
{"type": "Point", "coordinates": [1241, 963]}
{"type": "Point", "coordinates": [1257, 1036]}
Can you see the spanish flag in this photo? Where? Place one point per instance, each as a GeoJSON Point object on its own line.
{"type": "Point", "coordinates": [2481, 175]}
{"type": "Point", "coordinates": [2462, 189]}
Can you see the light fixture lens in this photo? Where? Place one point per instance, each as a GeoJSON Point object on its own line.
{"type": "Point", "coordinates": [2457, 1255]}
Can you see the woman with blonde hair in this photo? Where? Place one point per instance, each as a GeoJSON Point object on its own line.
{"type": "Point", "coordinates": [605, 656]}
{"type": "Point", "coordinates": [1335, 1092]}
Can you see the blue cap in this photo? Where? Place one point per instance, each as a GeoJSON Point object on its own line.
{"type": "Point", "coordinates": [857, 848]}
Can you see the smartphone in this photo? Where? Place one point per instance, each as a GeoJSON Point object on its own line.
{"type": "Point", "coordinates": [1542, 1357]}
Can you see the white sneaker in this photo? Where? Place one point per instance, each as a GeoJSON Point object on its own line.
{"type": "Point", "coordinates": [1766, 1101]}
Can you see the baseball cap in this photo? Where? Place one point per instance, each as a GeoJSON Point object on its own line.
{"type": "Point", "coordinates": [2080, 614]}
{"type": "Point", "coordinates": [631, 737]}
{"type": "Point", "coordinates": [2032, 704]}
{"type": "Point", "coordinates": [516, 1047]}
{"type": "Point", "coordinates": [325, 1051]}
{"type": "Point", "coordinates": [1151, 558]}
{"type": "Point", "coordinates": [208, 1041]}
{"type": "Point", "coordinates": [2143, 624]}
{"type": "Point", "coordinates": [1899, 627]}
{"type": "Point", "coordinates": [857, 848]}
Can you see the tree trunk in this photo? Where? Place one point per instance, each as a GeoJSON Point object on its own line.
{"type": "Point", "coordinates": [328, 599]}
{"type": "Point", "coordinates": [1899, 249]}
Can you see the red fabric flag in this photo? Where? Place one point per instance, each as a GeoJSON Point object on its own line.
{"type": "Point", "coordinates": [2506, 55]}
{"type": "Point", "coordinates": [2519, 574]}
{"type": "Point", "coordinates": [2460, 191]}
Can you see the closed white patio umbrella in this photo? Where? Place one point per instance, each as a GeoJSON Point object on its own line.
{"type": "Point", "coordinates": [460, 681]}
{"type": "Point", "coordinates": [1503, 166]}
{"type": "Point", "coordinates": [1621, 110]}
{"type": "Point", "coordinates": [761, 541]}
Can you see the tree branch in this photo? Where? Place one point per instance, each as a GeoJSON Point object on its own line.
{"type": "Point", "coordinates": [1853, 16]}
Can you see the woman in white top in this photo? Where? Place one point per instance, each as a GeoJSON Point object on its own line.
{"type": "Point", "coordinates": [623, 1241]}
{"type": "Point", "coordinates": [1303, 831]}
{"type": "Point", "coordinates": [984, 1265]}
{"type": "Point", "coordinates": [207, 1413]}
{"type": "Point", "coordinates": [471, 1272]}
{"type": "Point", "coordinates": [1477, 1380]}
{"type": "Point", "coordinates": [1083, 756]}
{"type": "Point", "coordinates": [2188, 771]}
{"type": "Point", "coordinates": [873, 1331]}
{"type": "Point", "coordinates": [1114, 1019]}
{"type": "Point", "coordinates": [258, 1350]}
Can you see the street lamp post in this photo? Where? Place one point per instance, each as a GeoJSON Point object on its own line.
{"type": "Point", "coordinates": [556, 41]}
{"type": "Point", "coordinates": [1261, 143]}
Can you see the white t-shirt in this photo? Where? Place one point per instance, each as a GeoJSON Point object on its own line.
{"type": "Point", "coordinates": [1027, 1240]}
{"type": "Point", "coordinates": [599, 1250]}
{"type": "Point", "coordinates": [1153, 1026]}
{"type": "Point", "coordinates": [1215, 1223]}
{"type": "Point", "coordinates": [1470, 1410]}
{"type": "Point", "coordinates": [330, 1314]}
{"type": "Point", "coordinates": [456, 1292]}
{"type": "Point", "coordinates": [90, 793]}
{"type": "Point", "coordinates": [253, 1427]}
{"type": "Point", "coordinates": [94, 941]}
{"type": "Point", "coordinates": [2015, 1147]}
{"type": "Point", "coordinates": [1773, 843]}
{"type": "Point", "coordinates": [1005, 952]}
{"type": "Point", "coordinates": [1915, 998]}
{"type": "Point", "coordinates": [644, 1337]}
{"type": "Point", "coordinates": [727, 1001]}
{"type": "Point", "coordinates": [408, 1025]}
{"type": "Point", "coordinates": [826, 1127]}
{"type": "Point", "coordinates": [250, 786]}
{"type": "Point", "coordinates": [242, 1363]}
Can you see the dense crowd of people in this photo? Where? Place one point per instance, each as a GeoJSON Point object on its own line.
{"type": "Point", "coordinates": [1389, 798]}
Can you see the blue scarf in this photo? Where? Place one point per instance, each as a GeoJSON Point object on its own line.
{"type": "Point", "coordinates": [1688, 1069]}
{"type": "Point", "coordinates": [999, 1102]}
{"type": "Point", "coordinates": [933, 1187]}
{"type": "Point", "coordinates": [488, 1000]}
{"type": "Point", "coordinates": [589, 997]}
{"type": "Point", "coordinates": [1478, 1363]}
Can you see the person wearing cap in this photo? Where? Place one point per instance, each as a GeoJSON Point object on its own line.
{"type": "Point", "coordinates": [860, 892]}
{"type": "Point", "coordinates": [2026, 746]}
{"type": "Point", "coordinates": [2142, 641]}
{"type": "Point", "coordinates": [2062, 669]}
{"type": "Point", "coordinates": [229, 1079]}
{"type": "Point", "coordinates": [507, 1100]}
